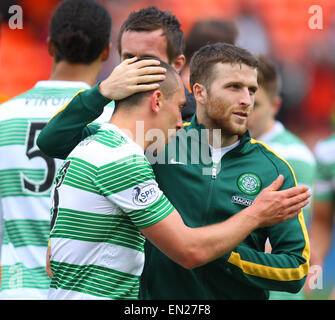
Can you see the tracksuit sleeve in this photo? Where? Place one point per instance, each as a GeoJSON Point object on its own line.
{"type": "Point", "coordinates": [285, 268]}
{"type": "Point", "coordinates": [69, 125]}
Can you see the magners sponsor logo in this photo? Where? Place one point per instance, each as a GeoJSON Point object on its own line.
{"type": "Point", "coordinates": [242, 201]}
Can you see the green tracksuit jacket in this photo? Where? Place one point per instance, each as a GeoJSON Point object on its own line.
{"type": "Point", "coordinates": [204, 194]}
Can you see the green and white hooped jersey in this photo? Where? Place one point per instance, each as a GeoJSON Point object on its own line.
{"type": "Point", "coordinates": [26, 177]}
{"type": "Point", "coordinates": [295, 152]}
{"type": "Point", "coordinates": [324, 188]}
{"type": "Point", "coordinates": [104, 192]}
{"type": "Point", "coordinates": [301, 159]}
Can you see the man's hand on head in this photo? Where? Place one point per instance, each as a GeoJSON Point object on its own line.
{"type": "Point", "coordinates": [132, 76]}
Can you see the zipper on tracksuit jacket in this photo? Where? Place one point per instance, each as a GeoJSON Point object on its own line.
{"type": "Point", "coordinates": [214, 170]}
{"type": "Point", "coordinates": [212, 181]}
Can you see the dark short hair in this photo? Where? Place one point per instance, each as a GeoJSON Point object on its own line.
{"type": "Point", "coordinates": [168, 86]}
{"type": "Point", "coordinates": [268, 76]}
{"type": "Point", "coordinates": [203, 61]}
{"type": "Point", "coordinates": [80, 31]}
{"type": "Point", "coordinates": [205, 32]}
{"type": "Point", "coordinates": [151, 19]}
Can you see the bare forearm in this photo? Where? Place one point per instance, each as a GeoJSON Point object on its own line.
{"type": "Point", "coordinates": [214, 241]}
{"type": "Point", "coordinates": [320, 244]}
{"type": "Point", "coordinates": [321, 231]}
{"type": "Point", "coordinates": [193, 247]}
{"type": "Point", "coordinates": [223, 237]}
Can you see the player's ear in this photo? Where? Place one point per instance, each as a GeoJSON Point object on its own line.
{"type": "Point", "coordinates": [179, 63]}
{"type": "Point", "coordinates": [200, 93]}
{"type": "Point", "coordinates": [105, 52]}
{"type": "Point", "coordinates": [50, 47]}
{"type": "Point", "coordinates": [156, 101]}
{"type": "Point", "coordinates": [277, 102]}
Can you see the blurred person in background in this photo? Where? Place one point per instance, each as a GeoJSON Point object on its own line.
{"type": "Point", "coordinates": [318, 103]}
{"type": "Point", "coordinates": [253, 34]}
{"type": "Point", "coordinates": [78, 51]}
{"type": "Point", "coordinates": [205, 32]}
{"type": "Point", "coordinates": [264, 127]}
{"type": "Point", "coordinates": [4, 5]}
{"type": "Point", "coordinates": [26, 173]}
{"type": "Point", "coordinates": [323, 205]}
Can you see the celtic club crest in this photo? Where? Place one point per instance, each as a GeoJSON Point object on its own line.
{"type": "Point", "coordinates": [249, 183]}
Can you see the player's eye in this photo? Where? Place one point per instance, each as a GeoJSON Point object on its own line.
{"type": "Point", "coordinates": [252, 90]}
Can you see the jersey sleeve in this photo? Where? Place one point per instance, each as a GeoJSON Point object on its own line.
{"type": "Point", "coordinates": [70, 124]}
{"type": "Point", "coordinates": [130, 184]}
{"type": "Point", "coordinates": [286, 268]}
{"type": "Point", "coordinates": [324, 186]}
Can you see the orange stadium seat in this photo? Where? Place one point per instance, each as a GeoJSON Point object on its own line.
{"type": "Point", "coordinates": [189, 11]}
{"type": "Point", "coordinates": [23, 55]}
{"type": "Point", "coordinates": [23, 61]}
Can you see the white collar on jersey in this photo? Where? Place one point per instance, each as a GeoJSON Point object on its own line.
{"type": "Point", "coordinates": [277, 129]}
{"type": "Point", "coordinates": [61, 84]}
{"type": "Point", "coordinates": [113, 127]}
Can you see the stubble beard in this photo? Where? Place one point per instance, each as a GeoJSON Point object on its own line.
{"type": "Point", "coordinates": [228, 126]}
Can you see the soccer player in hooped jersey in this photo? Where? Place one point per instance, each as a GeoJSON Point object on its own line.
{"type": "Point", "coordinates": [26, 174]}
{"type": "Point", "coordinates": [106, 198]}
{"type": "Point", "coordinates": [264, 127]}
{"type": "Point", "coordinates": [321, 226]}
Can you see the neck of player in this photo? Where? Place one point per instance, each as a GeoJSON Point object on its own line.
{"type": "Point", "coordinates": [217, 138]}
{"type": "Point", "coordinates": [65, 71]}
{"type": "Point", "coordinates": [133, 123]}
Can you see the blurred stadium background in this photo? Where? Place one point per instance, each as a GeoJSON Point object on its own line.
{"type": "Point", "coordinates": [279, 28]}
